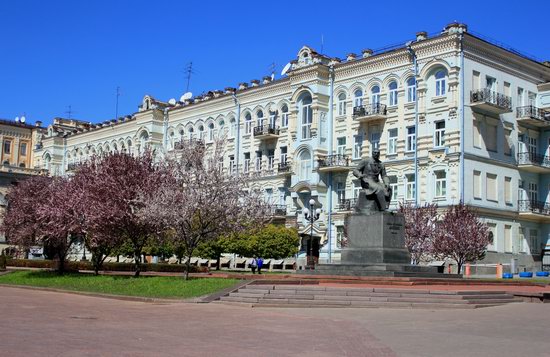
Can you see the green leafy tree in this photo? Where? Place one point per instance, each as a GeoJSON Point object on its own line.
{"type": "Point", "coordinates": [214, 249]}
{"type": "Point", "coordinates": [273, 241]}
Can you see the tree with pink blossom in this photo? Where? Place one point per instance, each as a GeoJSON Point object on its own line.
{"type": "Point", "coordinates": [202, 203]}
{"type": "Point", "coordinates": [421, 229]}
{"type": "Point", "coordinates": [462, 235]}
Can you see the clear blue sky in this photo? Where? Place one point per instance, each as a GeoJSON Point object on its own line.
{"type": "Point", "coordinates": [59, 53]}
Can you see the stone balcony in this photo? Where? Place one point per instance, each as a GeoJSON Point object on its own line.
{"type": "Point", "coordinates": [490, 101]}
{"type": "Point", "coordinates": [278, 210]}
{"type": "Point", "coordinates": [535, 163]}
{"type": "Point", "coordinates": [533, 116]}
{"type": "Point", "coordinates": [284, 168]}
{"type": "Point", "coordinates": [369, 112]}
{"type": "Point", "coordinates": [333, 163]}
{"type": "Point", "coordinates": [534, 209]}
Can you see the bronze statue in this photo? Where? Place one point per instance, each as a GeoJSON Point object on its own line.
{"type": "Point", "coordinates": [369, 171]}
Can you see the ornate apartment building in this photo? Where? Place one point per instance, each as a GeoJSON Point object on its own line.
{"type": "Point", "coordinates": [454, 116]}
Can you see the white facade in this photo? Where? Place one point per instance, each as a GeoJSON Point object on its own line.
{"type": "Point", "coordinates": [298, 137]}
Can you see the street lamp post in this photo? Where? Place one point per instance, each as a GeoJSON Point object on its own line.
{"type": "Point", "coordinates": [311, 215]}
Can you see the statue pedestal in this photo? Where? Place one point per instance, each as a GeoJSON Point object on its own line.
{"type": "Point", "coordinates": [375, 239]}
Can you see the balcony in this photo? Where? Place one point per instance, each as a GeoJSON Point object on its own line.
{"type": "Point", "coordinates": [278, 210]}
{"type": "Point", "coordinates": [189, 142]}
{"type": "Point", "coordinates": [533, 116]}
{"type": "Point", "coordinates": [284, 168]}
{"type": "Point", "coordinates": [346, 204]}
{"type": "Point", "coordinates": [333, 163]}
{"type": "Point", "coordinates": [533, 209]}
{"type": "Point", "coordinates": [73, 166]}
{"type": "Point", "coordinates": [370, 112]}
{"type": "Point", "coordinates": [266, 132]}
{"type": "Point", "coordinates": [535, 163]}
{"type": "Point", "coordinates": [490, 101]}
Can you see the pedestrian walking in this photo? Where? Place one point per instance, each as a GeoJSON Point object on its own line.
{"type": "Point", "coordinates": [253, 264]}
{"type": "Point", "coordinates": [259, 264]}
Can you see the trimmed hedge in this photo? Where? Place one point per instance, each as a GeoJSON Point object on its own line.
{"type": "Point", "coordinates": [83, 265]}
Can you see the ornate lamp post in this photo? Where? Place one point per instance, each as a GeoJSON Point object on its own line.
{"type": "Point", "coordinates": [311, 215]}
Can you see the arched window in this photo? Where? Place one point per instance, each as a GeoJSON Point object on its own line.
{"type": "Point", "coordinates": [342, 104]}
{"type": "Point", "coordinates": [142, 142]}
{"type": "Point", "coordinates": [375, 95]}
{"type": "Point", "coordinates": [358, 98]}
{"type": "Point", "coordinates": [171, 139]}
{"type": "Point", "coordinates": [211, 132]}
{"type": "Point", "coordinates": [393, 92]}
{"type": "Point", "coordinates": [411, 90]}
{"type": "Point", "coordinates": [201, 132]}
{"type": "Point", "coordinates": [129, 145]}
{"type": "Point", "coordinates": [440, 83]}
{"type": "Point", "coordinates": [221, 126]}
{"type": "Point", "coordinates": [190, 133]}
{"type": "Point", "coordinates": [304, 166]}
{"type": "Point", "coordinates": [284, 116]}
{"type": "Point", "coordinates": [272, 118]}
{"type": "Point", "coordinates": [232, 127]}
{"type": "Point", "coordinates": [47, 161]}
{"type": "Point", "coordinates": [247, 123]}
{"type": "Point", "coordinates": [306, 114]}
{"type": "Point", "coordinates": [260, 118]}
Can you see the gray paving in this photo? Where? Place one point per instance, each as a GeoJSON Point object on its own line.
{"type": "Point", "coordinates": [39, 323]}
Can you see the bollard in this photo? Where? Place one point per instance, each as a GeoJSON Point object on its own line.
{"type": "Point", "coordinates": [467, 270]}
{"type": "Point", "coordinates": [499, 271]}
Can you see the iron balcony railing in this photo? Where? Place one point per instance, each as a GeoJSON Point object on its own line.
{"type": "Point", "coordinates": [178, 145]}
{"type": "Point", "coordinates": [529, 158]}
{"type": "Point", "coordinates": [532, 112]}
{"type": "Point", "coordinates": [266, 130]}
{"type": "Point", "coordinates": [534, 206]}
{"type": "Point", "coordinates": [73, 166]}
{"type": "Point", "coordinates": [278, 210]}
{"type": "Point", "coordinates": [369, 109]}
{"type": "Point", "coordinates": [488, 96]}
{"type": "Point", "coordinates": [284, 167]}
{"type": "Point", "coordinates": [347, 204]}
{"type": "Point", "coordinates": [333, 160]}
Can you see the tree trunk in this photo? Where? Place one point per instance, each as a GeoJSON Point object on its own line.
{"type": "Point", "coordinates": [218, 262]}
{"type": "Point", "coordinates": [61, 265]}
{"type": "Point", "coordinates": [187, 267]}
{"type": "Point", "coordinates": [137, 263]}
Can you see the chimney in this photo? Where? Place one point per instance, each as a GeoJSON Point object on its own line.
{"type": "Point", "coordinates": [255, 82]}
{"type": "Point", "coordinates": [243, 86]}
{"type": "Point", "coordinates": [455, 27]}
{"type": "Point", "coordinates": [229, 90]}
{"type": "Point", "coordinates": [351, 56]}
{"type": "Point", "coordinates": [266, 80]}
{"type": "Point", "coordinates": [38, 124]}
{"type": "Point", "coordinates": [367, 52]}
{"type": "Point", "coordinates": [421, 36]}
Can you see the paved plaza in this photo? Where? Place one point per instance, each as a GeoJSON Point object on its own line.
{"type": "Point", "coordinates": [40, 323]}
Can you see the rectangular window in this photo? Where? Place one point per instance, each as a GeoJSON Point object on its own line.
{"type": "Point", "coordinates": [246, 162]}
{"type": "Point", "coordinates": [507, 89]}
{"type": "Point", "coordinates": [492, 246]}
{"type": "Point", "coordinates": [521, 97]}
{"type": "Point", "coordinates": [439, 135]}
{"type": "Point", "coordinates": [340, 237]}
{"type": "Point", "coordinates": [477, 184]}
{"type": "Point", "coordinates": [492, 187]}
{"type": "Point", "coordinates": [393, 97]}
{"type": "Point", "coordinates": [394, 187]}
{"type": "Point", "coordinates": [357, 146]}
{"type": "Point", "coordinates": [258, 162]}
{"type": "Point", "coordinates": [475, 80]}
{"type": "Point", "coordinates": [341, 148]}
{"type": "Point", "coordinates": [374, 141]}
{"type": "Point", "coordinates": [411, 138]}
{"type": "Point", "coordinates": [508, 190]}
{"type": "Point", "coordinates": [269, 195]}
{"type": "Point", "coordinates": [533, 192]}
{"type": "Point", "coordinates": [282, 196]}
{"type": "Point", "coordinates": [231, 164]}
{"type": "Point", "coordinates": [392, 141]}
{"type": "Point", "coordinates": [23, 149]}
{"type": "Point", "coordinates": [341, 191]}
{"type": "Point", "coordinates": [533, 241]}
{"type": "Point", "coordinates": [7, 147]}
{"type": "Point", "coordinates": [411, 90]}
{"type": "Point", "coordinates": [248, 126]}
{"type": "Point", "coordinates": [491, 83]}
{"type": "Point", "coordinates": [307, 119]}
{"type": "Point", "coordinates": [440, 87]}
{"type": "Point", "coordinates": [440, 183]}
{"type": "Point", "coordinates": [270, 159]}
{"type": "Point", "coordinates": [508, 142]}
{"type": "Point", "coordinates": [532, 145]}
{"type": "Point", "coordinates": [477, 134]}
{"type": "Point", "coordinates": [491, 142]}
{"type": "Point", "coordinates": [283, 156]}
{"type": "Point", "coordinates": [507, 238]}
{"type": "Point", "coordinates": [410, 187]}
{"type": "Point", "coordinates": [342, 105]}
{"type": "Point", "coordinates": [284, 119]}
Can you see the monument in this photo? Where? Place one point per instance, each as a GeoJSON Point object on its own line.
{"type": "Point", "coordinates": [375, 236]}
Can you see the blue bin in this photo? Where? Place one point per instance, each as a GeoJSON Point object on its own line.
{"type": "Point", "coordinates": [543, 273]}
{"type": "Point", "coordinates": [507, 275]}
{"type": "Point", "coordinates": [526, 274]}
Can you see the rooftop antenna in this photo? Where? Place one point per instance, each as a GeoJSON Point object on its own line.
{"type": "Point", "coordinates": [286, 68]}
{"type": "Point", "coordinates": [272, 68]}
{"type": "Point", "coordinates": [117, 95]}
{"type": "Point", "coordinates": [70, 111]}
{"type": "Point", "coordinates": [188, 72]}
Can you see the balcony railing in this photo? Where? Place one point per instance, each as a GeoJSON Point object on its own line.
{"type": "Point", "coordinates": [333, 161]}
{"type": "Point", "coordinates": [347, 204]}
{"type": "Point", "coordinates": [266, 130]}
{"type": "Point", "coordinates": [178, 145]}
{"type": "Point", "coordinates": [533, 115]}
{"type": "Point", "coordinates": [376, 110]}
{"type": "Point", "coordinates": [278, 210]}
{"type": "Point", "coordinates": [284, 168]}
{"type": "Point", "coordinates": [529, 158]}
{"type": "Point", "coordinates": [538, 207]}
{"type": "Point", "coordinates": [73, 166]}
{"type": "Point", "coordinates": [502, 103]}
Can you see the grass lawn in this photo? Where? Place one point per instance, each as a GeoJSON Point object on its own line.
{"type": "Point", "coordinates": [144, 286]}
